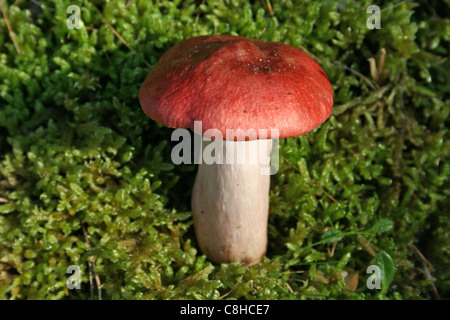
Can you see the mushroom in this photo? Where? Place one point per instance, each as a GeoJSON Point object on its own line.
{"type": "Point", "coordinates": [242, 90]}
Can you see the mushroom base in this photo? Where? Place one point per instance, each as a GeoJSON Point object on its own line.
{"type": "Point", "coordinates": [230, 201]}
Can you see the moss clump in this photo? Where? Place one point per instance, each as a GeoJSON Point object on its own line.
{"type": "Point", "coordinates": [86, 179]}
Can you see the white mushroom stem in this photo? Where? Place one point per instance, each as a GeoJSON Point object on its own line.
{"type": "Point", "coordinates": [230, 201]}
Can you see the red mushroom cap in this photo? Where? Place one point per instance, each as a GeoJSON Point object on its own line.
{"type": "Point", "coordinates": [231, 82]}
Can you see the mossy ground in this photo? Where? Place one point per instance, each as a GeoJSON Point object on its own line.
{"type": "Point", "coordinates": [86, 177]}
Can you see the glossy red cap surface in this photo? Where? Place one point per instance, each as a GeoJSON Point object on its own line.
{"type": "Point", "coordinates": [231, 82]}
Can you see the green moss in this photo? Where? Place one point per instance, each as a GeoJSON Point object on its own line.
{"type": "Point", "coordinates": [84, 174]}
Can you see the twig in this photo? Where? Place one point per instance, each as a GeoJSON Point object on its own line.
{"type": "Point", "coordinates": [291, 164]}
{"type": "Point", "coordinates": [395, 5]}
{"type": "Point", "coordinates": [198, 15]}
{"type": "Point", "coordinates": [196, 19]}
{"type": "Point", "coordinates": [289, 288]}
{"type": "Point", "coordinates": [329, 195]}
{"type": "Point", "coordinates": [421, 256]}
{"type": "Point", "coordinates": [373, 68]}
{"type": "Point", "coordinates": [225, 294]}
{"type": "Point", "coordinates": [366, 245]}
{"type": "Point", "coordinates": [381, 62]}
{"type": "Point", "coordinates": [91, 263]}
{"type": "Point", "coordinates": [312, 227]}
{"type": "Point", "coordinates": [359, 74]}
{"type": "Point", "coordinates": [99, 284]}
{"type": "Point", "coordinates": [118, 35]}
{"type": "Point", "coordinates": [426, 264]}
{"type": "Point", "coordinates": [333, 248]}
{"type": "Point", "coordinates": [269, 7]}
{"type": "Point", "coordinates": [358, 101]}
{"type": "Point", "coordinates": [294, 272]}
{"type": "Point", "coordinates": [8, 25]}
{"type": "Point", "coordinates": [309, 53]}
{"type": "Point", "coordinates": [262, 32]}
{"type": "Point", "coordinates": [377, 73]}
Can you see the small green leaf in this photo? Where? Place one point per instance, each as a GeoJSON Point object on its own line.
{"type": "Point", "coordinates": [384, 225]}
{"type": "Point", "coordinates": [387, 270]}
